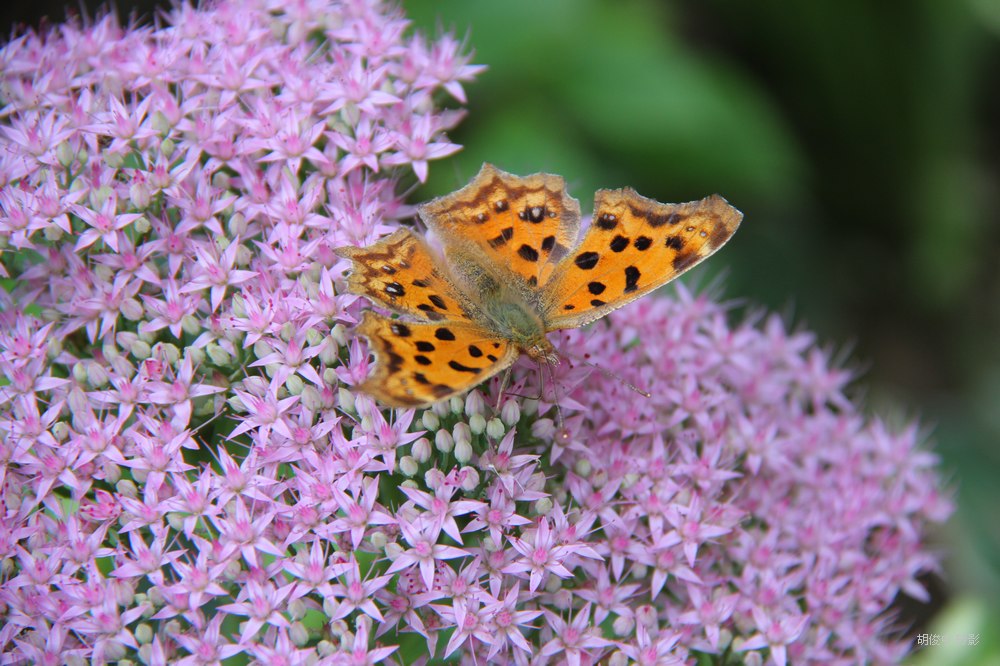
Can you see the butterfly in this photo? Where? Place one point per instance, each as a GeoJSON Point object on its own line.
{"type": "Point", "coordinates": [512, 272]}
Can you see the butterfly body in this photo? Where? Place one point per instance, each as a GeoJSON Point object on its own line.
{"type": "Point", "coordinates": [514, 272]}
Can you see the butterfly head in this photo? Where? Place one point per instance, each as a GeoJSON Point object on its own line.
{"type": "Point", "coordinates": [542, 351]}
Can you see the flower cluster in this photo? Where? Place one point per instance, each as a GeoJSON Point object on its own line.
{"type": "Point", "coordinates": [188, 476]}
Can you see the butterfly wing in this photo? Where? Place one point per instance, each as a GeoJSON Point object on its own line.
{"type": "Point", "coordinates": [400, 273]}
{"type": "Point", "coordinates": [523, 225]}
{"type": "Point", "coordinates": [633, 246]}
{"type": "Point", "coordinates": [420, 363]}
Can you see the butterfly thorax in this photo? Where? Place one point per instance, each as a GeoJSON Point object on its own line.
{"type": "Point", "coordinates": [513, 319]}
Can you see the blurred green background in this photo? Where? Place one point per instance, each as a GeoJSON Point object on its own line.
{"type": "Point", "coordinates": [860, 139]}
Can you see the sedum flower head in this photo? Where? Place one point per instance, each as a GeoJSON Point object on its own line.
{"type": "Point", "coordinates": [188, 475]}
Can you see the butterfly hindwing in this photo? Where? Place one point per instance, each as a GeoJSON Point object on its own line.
{"type": "Point", "coordinates": [420, 363]}
{"type": "Point", "coordinates": [400, 273]}
{"type": "Point", "coordinates": [523, 225]}
{"type": "Point", "coordinates": [633, 246]}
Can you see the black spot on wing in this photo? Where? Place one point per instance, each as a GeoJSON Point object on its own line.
{"type": "Point", "coordinates": [395, 289]}
{"type": "Point", "coordinates": [675, 243]}
{"type": "Point", "coordinates": [618, 243]}
{"type": "Point", "coordinates": [505, 235]}
{"type": "Point", "coordinates": [458, 367]}
{"type": "Point", "coordinates": [548, 243]}
{"type": "Point", "coordinates": [642, 243]}
{"type": "Point", "coordinates": [607, 221]}
{"type": "Point", "coordinates": [402, 330]}
{"type": "Point", "coordinates": [421, 283]}
{"type": "Point", "coordinates": [586, 260]}
{"type": "Point", "coordinates": [527, 253]}
{"type": "Point", "coordinates": [424, 346]}
{"type": "Point", "coordinates": [437, 301]}
{"type": "Point", "coordinates": [533, 214]}
{"type": "Point", "coordinates": [684, 259]}
{"type": "Point", "coordinates": [632, 275]}
{"type": "Point", "coordinates": [596, 288]}
{"type": "Point", "coordinates": [474, 351]}
{"type": "Point", "coordinates": [421, 359]}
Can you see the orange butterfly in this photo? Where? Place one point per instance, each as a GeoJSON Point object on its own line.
{"type": "Point", "coordinates": [513, 272]}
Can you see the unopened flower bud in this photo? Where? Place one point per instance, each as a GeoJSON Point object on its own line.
{"type": "Point", "coordinates": [477, 424]}
{"type": "Point", "coordinates": [80, 372]}
{"type": "Point", "coordinates": [143, 633]}
{"type": "Point", "coordinates": [195, 354]}
{"type": "Point", "coordinates": [167, 147]}
{"type": "Point", "coordinates": [329, 352]}
{"type": "Point", "coordinates": [345, 399]}
{"type": "Point", "coordinates": [434, 478]}
{"type": "Point", "coordinates": [142, 226]}
{"type": "Point", "coordinates": [543, 506]}
{"type": "Point", "coordinates": [127, 488]}
{"type": "Point", "coordinates": [543, 429]}
{"type": "Point", "coordinates": [113, 159]}
{"type": "Point", "coordinates": [190, 324]}
{"type": "Point", "coordinates": [52, 234]}
{"type": "Point", "coordinates": [311, 399]}
{"type": "Point", "coordinates": [60, 430]}
{"type": "Point", "coordinates": [298, 634]}
{"type": "Point", "coordinates": [139, 194]}
{"type": "Point", "coordinates": [469, 478]}
{"type": "Point", "coordinates": [646, 615]}
{"type": "Point", "coordinates": [409, 466]}
{"type": "Point", "coordinates": [294, 384]}
{"type": "Point", "coordinates": [420, 450]}
{"type": "Point", "coordinates": [243, 255]}
{"type": "Point", "coordinates": [583, 468]}
{"type": "Point", "coordinates": [236, 225]}
{"type": "Point", "coordinates": [462, 433]}
{"type": "Point", "coordinates": [378, 539]}
{"type": "Point", "coordinates": [444, 441]}
{"type": "Point", "coordinates": [623, 625]}
{"type": "Point", "coordinates": [393, 550]}
{"type": "Point", "coordinates": [176, 520]}
{"type": "Point", "coordinates": [140, 349]}
{"type": "Point", "coordinates": [463, 452]}
{"type": "Point", "coordinates": [167, 352]}
{"type": "Point", "coordinates": [495, 428]}
{"type": "Point", "coordinates": [218, 355]}
{"type": "Point", "coordinates": [132, 309]}
{"type": "Point", "coordinates": [238, 306]}
{"type": "Point", "coordinates": [474, 403]}
{"type": "Point", "coordinates": [430, 420]}
{"type": "Point", "coordinates": [65, 154]}
{"type": "Point", "coordinates": [456, 405]}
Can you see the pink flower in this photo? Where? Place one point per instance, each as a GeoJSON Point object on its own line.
{"type": "Point", "coordinates": [189, 473]}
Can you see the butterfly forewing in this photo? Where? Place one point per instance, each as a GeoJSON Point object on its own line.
{"type": "Point", "coordinates": [420, 363]}
{"type": "Point", "coordinates": [633, 246]}
{"type": "Point", "coordinates": [522, 225]}
{"type": "Point", "coordinates": [400, 273]}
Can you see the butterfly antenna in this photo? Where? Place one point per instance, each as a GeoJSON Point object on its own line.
{"type": "Point", "coordinates": [610, 374]}
{"type": "Point", "coordinates": [504, 383]}
{"type": "Point", "coordinates": [561, 433]}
